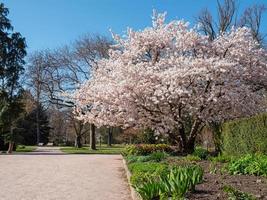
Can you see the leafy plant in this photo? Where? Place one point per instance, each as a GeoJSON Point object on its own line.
{"type": "Point", "coordinates": [175, 184]}
{"type": "Point", "coordinates": [201, 153]}
{"type": "Point", "coordinates": [158, 156]}
{"type": "Point", "coordinates": [151, 190]}
{"type": "Point", "coordinates": [143, 172]}
{"type": "Point", "coordinates": [249, 164]}
{"type": "Point", "coordinates": [146, 149]}
{"type": "Point", "coordinates": [221, 158]}
{"type": "Point", "coordinates": [132, 159]}
{"type": "Point", "coordinates": [192, 158]}
{"type": "Point", "coordinates": [213, 168]}
{"type": "Point", "coordinates": [234, 194]}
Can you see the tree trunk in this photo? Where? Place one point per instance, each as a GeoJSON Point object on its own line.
{"type": "Point", "coordinates": [216, 128]}
{"type": "Point", "coordinates": [10, 147]}
{"type": "Point", "coordinates": [110, 137]}
{"type": "Point", "coordinates": [189, 146]}
{"type": "Point", "coordinates": [78, 143]}
{"type": "Point", "coordinates": [11, 141]}
{"type": "Point", "coordinates": [185, 141]}
{"type": "Point", "coordinates": [92, 137]}
{"type": "Point", "coordinates": [37, 124]}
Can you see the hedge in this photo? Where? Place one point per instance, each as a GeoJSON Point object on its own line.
{"type": "Point", "coordinates": [245, 136]}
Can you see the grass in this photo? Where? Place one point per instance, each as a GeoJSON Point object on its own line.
{"type": "Point", "coordinates": [22, 148]}
{"type": "Point", "coordinates": [115, 149]}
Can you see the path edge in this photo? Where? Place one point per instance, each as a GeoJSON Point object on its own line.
{"type": "Point", "coordinates": [134, 194]}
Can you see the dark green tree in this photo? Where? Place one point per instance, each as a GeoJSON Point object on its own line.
{"type": "Point", "coordinates": [12, 53]}
{"type": "Point", "coordinates": [28, 125]}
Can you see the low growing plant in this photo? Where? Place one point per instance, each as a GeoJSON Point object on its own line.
{"type": "Point", "coordinates": [158, 156]}
{"type": "Point", "coordinates": [201, 153]}
{"type": "Point", "coordinates": [192, 158]}
{"type": "Point", "coordinates": [146, 149]}
{"type": "Point", "coordinates": [234, 194]}
{"type": "Point", "coordinates": [151, 190]}
{"type": "Point", "coordinates": [221, 158]}
{"type": "Point", "coordinates": [173, 185]}
{"type": "Point", "coordinates": [249, 164]}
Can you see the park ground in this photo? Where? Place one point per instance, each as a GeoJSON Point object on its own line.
{"type": "Point", "coordinates": [47, 173]}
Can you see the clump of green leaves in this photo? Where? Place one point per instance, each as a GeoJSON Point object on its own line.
{"type": "Point", "coordinates": [143, 172]}
{"type": "Point", "coordinates": [255, 164]}
{"type": "Point", "coordinates": [151, 191]}
{"type": "Point", "coordinates": [234, 194]}
{"type": "Point", "coordinates": [223, 158]}
{"type": "Point", "coordinates": [154, 157]}
{"type": "Point", "coordinates": [133, 159]}
{"type": "Point", "coordinates": [201, 153]}
{"type": "Point", "coordinates": [192, 158]}
{"type": "Point", "coordinates": [175, 184]}
{"type": "Point", "coordinates": [146, 149]}
{"type": "Point", "coordinates": [158, 156]}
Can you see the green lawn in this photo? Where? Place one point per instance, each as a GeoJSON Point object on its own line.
{"type": "Point", "coordinates": [115, 149]}
{"type": "Point", "coordinates": [22, 148]}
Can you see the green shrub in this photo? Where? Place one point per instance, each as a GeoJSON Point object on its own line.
{"type": "Point", "coordinates": [245, 136]}
{"type": "Point", "coordinates": [221, 158]}
{"type": "Point", "coordinates": [146, 149]}
{"type": "Point", "coordinates": [192, 158]}
{"type": "Point", "coordinates": [149, 167]}
{"type": "Point", "coordinates": [21, 147]}
{"type": "Point", "coordinates": [234, 194]}
{"type": "Point", "coordinates": [143, 172]}
{"type": "Point", "coordinates": [157, 156]}
{"type": "Point", "coordinates": [132, 159]}
{"type": "Point", "coordinates": [201, 153]}
{"type": "Point", "coordinates": [249, 164]}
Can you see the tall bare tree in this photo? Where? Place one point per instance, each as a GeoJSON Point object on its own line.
{"type": "Point", "coordinates": [227, 11]}
{"type": "Point", "coordinates": [36, 76]}
{"type": "Point", "coordinates": [252, 18]}
{"type": "Point", "coordinates": [68, 67]}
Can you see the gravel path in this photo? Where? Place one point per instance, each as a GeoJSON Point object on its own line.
{"type": "Point", "coordinates": [62, 177]}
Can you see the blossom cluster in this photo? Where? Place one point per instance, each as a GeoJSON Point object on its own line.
{"type": "Point", "coordinates": [163, 75]}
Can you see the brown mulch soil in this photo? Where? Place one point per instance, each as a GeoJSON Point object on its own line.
{"type": "Point", "coordinates": [212, 186]}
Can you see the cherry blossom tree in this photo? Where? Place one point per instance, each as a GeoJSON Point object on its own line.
{"type": "Point", "coordinates": [173, 79]}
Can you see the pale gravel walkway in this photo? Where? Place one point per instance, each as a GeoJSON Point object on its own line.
{"type": "Point", "coordinates": [62, 177]}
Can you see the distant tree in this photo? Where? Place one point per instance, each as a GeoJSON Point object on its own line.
{"type": "Point", "coordinates": [65, 69]}
{"type": "Point", "coordinates": [227, 17]}
{"type": "Point", "coordinates": [27, 127]}
{"type": "Point", "coordinates": [36, 76]}
{"type": "Point", "coordinates": [10, 110]}
{"type": "Point", "coordinates": [12, 53]}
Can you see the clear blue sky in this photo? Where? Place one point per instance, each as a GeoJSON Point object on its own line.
{"type": "Point", "coordinates": [52, 23]}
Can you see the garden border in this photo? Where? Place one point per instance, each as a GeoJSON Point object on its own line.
{"type": "Point", "coordinates": [134, 194]}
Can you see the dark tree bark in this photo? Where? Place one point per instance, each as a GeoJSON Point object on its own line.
{"type": "Point", "coordinates": [216, 128]}
{"type": "Point", "coordinates": [110, 137]}
{"type": "Point", "coordinates": [186, 140]}
{"type": "Point", "coordinates": [92, 137]}
{"type": "Point", "coordinates": [78, 143]}
{"type": "Point", "coordinates": [37, 124]}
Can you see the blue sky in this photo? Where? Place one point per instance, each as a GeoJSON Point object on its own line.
{"type": "Point", "coordinates": [53, 23]}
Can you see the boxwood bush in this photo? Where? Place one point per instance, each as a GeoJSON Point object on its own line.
{"type": "Point", "coordinates": [245, 136]}
{"type": "Point", "coordinates": [146, 149]}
